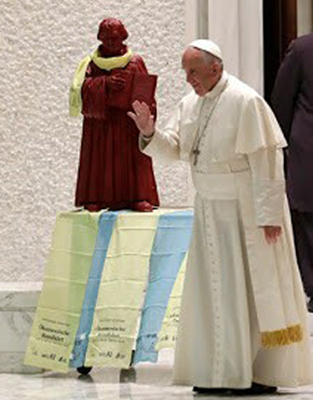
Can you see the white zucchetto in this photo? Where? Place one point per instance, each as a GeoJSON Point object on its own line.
{"type": "Point", "coordinates": [208, 46]}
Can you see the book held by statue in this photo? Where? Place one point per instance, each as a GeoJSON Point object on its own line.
{"type": "Point", "coordinates": [138, 86]}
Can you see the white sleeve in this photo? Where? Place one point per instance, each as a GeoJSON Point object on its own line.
{"type": "Point", "coordinates": [164, 144]}
{"type": "Point", "coordinates": [268, 185]}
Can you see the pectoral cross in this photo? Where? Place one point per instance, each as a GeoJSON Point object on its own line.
{"type": "Point", "coordinates": [196, 153]}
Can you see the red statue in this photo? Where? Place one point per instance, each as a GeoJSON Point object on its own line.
{"type": "Point", "coordinates": [112, 173]}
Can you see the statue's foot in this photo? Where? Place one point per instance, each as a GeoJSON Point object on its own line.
{"type": "Point", "coordinates": [142, 206]}
{"type": "Point", "coordinates": [92, 207]}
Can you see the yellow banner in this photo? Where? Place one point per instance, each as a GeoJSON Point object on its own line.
{"type": "Point", "coordinates": [168, 333]}
{"type": "Point", "coordinates": [121, 291]}
{"type": "Point", "coordinates": [59, 308]}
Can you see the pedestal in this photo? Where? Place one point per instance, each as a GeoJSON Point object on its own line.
{"type": "Point", "coordinates": [18, 302]}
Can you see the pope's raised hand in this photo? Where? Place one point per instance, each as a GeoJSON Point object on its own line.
{"type": "Point", "coordinates": [142, 118]}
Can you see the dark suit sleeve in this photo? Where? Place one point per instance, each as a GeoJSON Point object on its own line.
{"type": "Point", "coordinates": [286, 89]}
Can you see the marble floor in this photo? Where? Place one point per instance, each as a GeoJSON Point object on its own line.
{"type": "Point", "coordinates": [147, 382]}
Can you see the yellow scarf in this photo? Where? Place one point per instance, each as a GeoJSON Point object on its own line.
{"type": "Point", "coordinates": [111, 62]}
{"type": "Point", "coordinates": [108, 64]}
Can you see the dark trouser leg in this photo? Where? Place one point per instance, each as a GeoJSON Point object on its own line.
{"type": "Point", "coordinates": [303, 232]}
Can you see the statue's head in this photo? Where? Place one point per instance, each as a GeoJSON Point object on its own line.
{"type": "Point", "coordinates": [112, 33]}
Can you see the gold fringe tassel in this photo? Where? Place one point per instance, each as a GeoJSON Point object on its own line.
{"type": "Point", "coordinates": [282, 337]}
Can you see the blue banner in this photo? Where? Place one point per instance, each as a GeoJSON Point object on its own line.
{"type": "Point", "coordinates": [105, 228]}
{"type": "Point", "coordinates": [169, 249]}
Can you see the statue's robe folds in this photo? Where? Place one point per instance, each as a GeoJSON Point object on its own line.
{"type": "Point", "coordinates": [112, 173]}
{"type": "Point", "coordinates": [243, 315]}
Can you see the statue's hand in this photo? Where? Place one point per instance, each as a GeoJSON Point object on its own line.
{"type": "Point", "coordinates": [115, 82]}
{"type": "Point", "coordinates": [143, 118]}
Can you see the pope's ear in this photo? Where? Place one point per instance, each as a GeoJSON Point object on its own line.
{"type": "Point", "coordinates": [216, 69]}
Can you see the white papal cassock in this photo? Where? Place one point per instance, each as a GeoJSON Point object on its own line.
{"type": "Point", "coordinates": [243, 315]}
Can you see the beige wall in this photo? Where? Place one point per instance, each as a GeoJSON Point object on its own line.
{"type": "Point", "coordinates": [41, 43]}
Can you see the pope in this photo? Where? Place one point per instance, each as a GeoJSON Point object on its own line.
{"type": "Point", "coordinates": [243, 323]}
